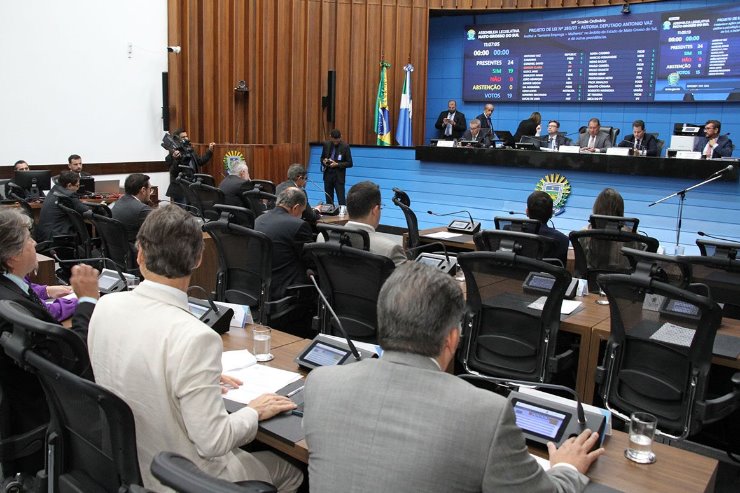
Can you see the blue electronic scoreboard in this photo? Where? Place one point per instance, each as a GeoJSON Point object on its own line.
{"type": "Point", "coordinates": [689, 55]}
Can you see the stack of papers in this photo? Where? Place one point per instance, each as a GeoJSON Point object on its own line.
{"type": "Point", "coordinates": [257, 379]}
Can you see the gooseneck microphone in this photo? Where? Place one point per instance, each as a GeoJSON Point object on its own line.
{"type": "Point", "coordinates": [311, 275]}
{"type": "Point", "coordinates": [452, 214]}
{"type": "Point", "coordinates": [702, 233]}
{"type": "Point", "coordinates": [470, 228]}
{"type": "Point", "coordinates": [728, 169]}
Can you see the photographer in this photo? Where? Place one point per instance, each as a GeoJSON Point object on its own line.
{"type": "Point", "coordinates": [181, 153]}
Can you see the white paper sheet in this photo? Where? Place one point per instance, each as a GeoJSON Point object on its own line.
{"type": "Point", "coordinates": [258, 380]}
{"type": "Point", "coordinates": [443, 235]}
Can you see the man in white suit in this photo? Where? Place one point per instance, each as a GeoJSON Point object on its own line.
{"type": "Point", "coordinates": [363, 207]}
{"type": "Point", "coordinates": [593, 139]}
{"type": "Point", "coordinates": [400, 423]}
{"type": "Point", "coordinates": [147, 348]}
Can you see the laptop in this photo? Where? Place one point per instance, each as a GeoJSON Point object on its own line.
{"type": "Point", "coordinates": [503, 136]}
{"type": "Point", "coordinates": [107, 186]}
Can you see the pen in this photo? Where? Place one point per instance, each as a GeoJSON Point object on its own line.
{"type": "Point", "coordinates": [294, 391]}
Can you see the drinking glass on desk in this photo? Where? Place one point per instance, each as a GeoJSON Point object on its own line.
{"type": "Point", "coordinates": [261, 337]}
{"type": "Point", "coordinates": [602, 299]}
{"type": "Point", "coordinates": [642, 431]}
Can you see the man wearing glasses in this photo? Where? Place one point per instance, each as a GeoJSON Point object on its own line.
{"type": "Point", "coordinates": [714, 145]}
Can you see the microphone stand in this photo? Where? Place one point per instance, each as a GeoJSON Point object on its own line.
{"type": "Point", "coordinates": [682, 196]}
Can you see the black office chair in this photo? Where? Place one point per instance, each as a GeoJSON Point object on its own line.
{"type": "Point", "coordinates": [618, 223]}
{"type": "Point", "coordinates": [519, 224]}
{"type": "Point", "coordinates": [503, 336]}
{"type": "Point", "coordinates": [115, 244]}
{"type": "Point", "coordinates": [183, 183]}
{"type": "Point", "coordinates": [351, 280]}
{"type": "Point", "coordinates": [353, 237]}
{"type": "Point", "coordinates": [257, 201]}
{"type": "Point", "coordinates": [204, 198]}
{"type": "Point", "coordinates": [722, 277]}
{"type": "Point", "coordinates": [658, 355]}
{"type": "Point", "coordinates": [402, 200]}
{"type": "Point", "coordinates": [235, 215]}
{"type": "Point", "coordinates": [180, 474]}
{"type": "Point", "coordinates": [613, 133]}
{"type": "Point", "coordinates": [660, 142]}
{"type": "Point", "coordinates": [713, 248]}
{"type": "Point", "coordinates": [245, 272]}
{"type": "Point", "coordinates": [524, 244]}
{"type": "Point", "coordinates": [86, 245]}
{"type": "Point", "coordinates": [204, 179]}
{"type": "Point", "coordinates": [599, 251]}
{"type": "Point", "coordinates": [664, 268]}
{"type": "Point", "coordinates": [264, 186]}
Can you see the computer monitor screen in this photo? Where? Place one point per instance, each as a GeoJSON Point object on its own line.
{"type": "Point", "coordinates": [87, 185]}
{"type": "Point", "coordinates": [27, 179]}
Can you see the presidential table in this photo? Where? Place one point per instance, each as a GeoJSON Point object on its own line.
{"type": "Point", "coordinates": [674, 470]}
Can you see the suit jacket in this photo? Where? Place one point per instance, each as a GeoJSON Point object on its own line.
{"type": "Point", "coordinates": [482, 137]}
{"type": "Point", "coordinates": [602, 141]}
{"type": "Point", "coordinates": [560, 140]}
{"type": "Point", "coordinates": [233, 186]}
{"type": "Point", "coordinates": [131, 212]}
{"type": "Point", "coordinates": [649, 143]}
{"type": "Point", "coordinates": [310, 213]}
{"type": "Point", "coordinates": [379, 244]}
{"type": "Point", "coordinates": [343, 157]}
{"type": "Point", "coordinates": [484, 123]}
{"type": "Point", "coordinates": [27, 407]}
{"type": "Point", "coordinates": [52, 220]}
{"type": "Point", "coordinates": [148, 349]}
{"type": "Point", "coordinates": [173, 164]}
{"type": "Point", "coordinates": [288, 235]}
{"type": "Point", "coordinates": [458, 127]}
{"type": "Point", "coordinates": [526, 127]}
{"type": "Point", "coordinates": [559, 248]}
{"type": "Point", "coordinates": [722, 149]}
{"type": "Point", "coordinates": [401, 424]}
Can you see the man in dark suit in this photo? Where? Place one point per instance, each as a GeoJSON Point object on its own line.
{"type": "Point", "coordinates": [401, 423]}
{"type": "Point", "coordinates": [133, 207]}
{"type": "Point", "coordinates": [185, 157]}
{"type": "Point", "coordinates": [74, 164]}
{"type": "Point", "coordinates": [553, 140]}
{"type": "Point", "coordinates": [713, 145]}
{"type": "Point", "coordinates": [486, 119]}
{"type": "Point", "coordinates": [297, 177]}
{"type": "Point", "coordinates": [52, 220]}
{"type": "Point", "coordinates": [451, 123]}
{"type": "Point", "coordinates": [235, 184]}
{"type": "Point", "coordinates": [640, 141]}
{"type": "Point", "coordinates": [476, 133]}
{"type": "Point", "coordinates": [336, 157]}
{"type": "Point", "coordinates": [27, 408]}
{"type": "Point", "coordinates": [288, 232]}
{"type": "Point", "coordinates": [539, 206]}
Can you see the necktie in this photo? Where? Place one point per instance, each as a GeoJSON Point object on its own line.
{"type": "Point", "coordinates": [489, 122]}
{"type": "Point", "coordinates": [552, 143]}
{"type": "Point", "coordinates": [709, 151]}
{"type": "Point", "coordinates": [592, 141]}
{"type": "Point", "coordinates": [34, 297]}
{"type": "Point", "coordinates": [637, 143]}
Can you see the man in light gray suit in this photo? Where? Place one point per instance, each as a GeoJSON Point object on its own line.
{"type": "Point", "coordinates": [363, 207]}
{"type": "Point", "coordinates": [594, 140]}
{"type": "Point", "coordinates": [401, 423]}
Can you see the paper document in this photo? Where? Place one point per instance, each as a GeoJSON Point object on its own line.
{"type": "Point", "coordinates": [257, 379]}
{"type": "Point", "coordinates": [566, 308]}
{"type": "Point", "coordinates": [443, 235]}
{"type": "Point", "coordinates": [373, 348]}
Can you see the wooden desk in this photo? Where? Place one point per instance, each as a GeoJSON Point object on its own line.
{"type": "Point", "coordinates": [602, 330]}
{"type": "Point", "coordinates": [674, 470]}
{"type": "Point", "coordinates": [45, 274]}
{"type": "Point", "coordinates": [205, 274]}
{"type": "Point", "coordinates": [338, 220]}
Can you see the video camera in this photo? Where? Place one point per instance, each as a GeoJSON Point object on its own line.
{"type": "Point", "coordinates": [173, 143]}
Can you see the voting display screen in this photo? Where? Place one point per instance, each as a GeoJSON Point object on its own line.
{"type": "Point", "coordinates": [688, 55]}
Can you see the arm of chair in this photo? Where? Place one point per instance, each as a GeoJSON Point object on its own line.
{"type": "Point", "coordinates": [713, 410]}
{"type": "Point", "coordinates": [561, 361]}
{"type": "Point", "coordinates": [299, 294]}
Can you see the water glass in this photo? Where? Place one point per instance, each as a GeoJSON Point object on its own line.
{"type": "Point", "coordinates": [642, 431]}
{"type": "Point", "coordinates": [342, 210]}
{"type": "Point", "coordinates": [262, 338]}
{"type": "Point", "coordinates": [131, 282]}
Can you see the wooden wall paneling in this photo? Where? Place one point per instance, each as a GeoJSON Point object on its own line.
{"type": "Point", "coordinates": [284, 83]}
{"type": "Point", "coordinates": [316, 64]}
{"type": "Point", "coordinates": [342, 52]}
{"type": "Point", "coordinates": [298, 81]}
{"type": "Point", "coordinates": [391, 46]}
{"type": "Point", "coordinates": [239, 60]}
{"type": "Point", "coordinates": [372, 44]}
{"type": "Point", "coordinates": [174, 28]}
{"type": "Point", "coordinates": [419, 57]}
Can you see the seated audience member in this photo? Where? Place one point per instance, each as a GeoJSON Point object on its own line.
{"type": "Point", "coordinates": [288, 232]}
{"type": "Point", "coordinates": [476, 133]}
{"type": "Point", "coordinates": [529, 127]}
{"type": "Point", "coordinates": [297, 177]}
{"type": "Point", "coordinates": [52, 220]}
{"type": "Point", "coordinates": [605, 253]}
{"type": "Point", "coordinates": [22, 392]}
{"type": "Point", "coordinates": [363, 207]}
{"type": "Point", "coordinates": [593, 139]}
{"type": "Point", "coordinates": [166, 364]}
{"type": "Point", "coordinates": [539, 206]}
{"type": "Point", "coordinates": [639, 140]}
{"type": "Point", "coordinates": [235, 184]}
{"type": "Point", "coordinates": [713, 145]}
{"type": "Point", "coordinates": [553, 139]}
{"type": "Point", "coordinates": [21, 193]}
{"type": "Point", "coordinates": [74, 163]}
{"type": "Point", "coordinates": [431, 431]}
{"type": "Point", "coordinates": [134, 206]}
{"type": "Point", "coordinates": [609, 203]}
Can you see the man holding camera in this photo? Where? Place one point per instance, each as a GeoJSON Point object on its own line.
{"type": "Point", "coordinates": [181, 153]}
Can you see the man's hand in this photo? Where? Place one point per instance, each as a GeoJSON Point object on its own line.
{"type": "Point", "coordinates": [210, 146]}
{"type": "Point", "coordinates": [176, 154]}
{"type": "Point", "coordinates": [269, 405]}
{"type": "Point", "coordinates": [84, 281]}
{"type": "Point", "coordinates": [58, 291]}
{"type": "Point", "coordinates": [575, 451]}
{"type": "Point", "coordinates": [228, 383]}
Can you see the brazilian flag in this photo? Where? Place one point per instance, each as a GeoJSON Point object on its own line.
{"type": "Point", "coordinates": [382, 118]}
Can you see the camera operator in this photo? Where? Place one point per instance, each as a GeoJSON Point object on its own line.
{"type": "Point", "coordinates": [181, 153]}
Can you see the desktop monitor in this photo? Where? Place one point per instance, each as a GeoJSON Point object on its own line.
{"type": "Point", "coordinates": [33, 181]}
{"type": "Point", "coordinates": [504, 136]}
{"type": "Point", "coordinates": [528, 142]}
{"type": "Point", "coordinates": [87, 185]}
